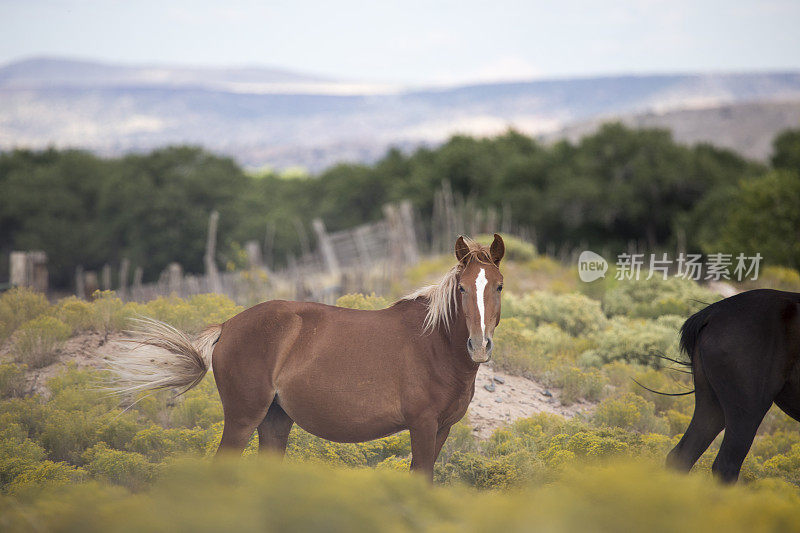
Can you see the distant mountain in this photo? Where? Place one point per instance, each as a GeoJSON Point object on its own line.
{"type": "Point", "coordinates": [747, 128]}
{"type": "Point", "coordinates": [50, 72]}
{"type": "Point", "coordinates": [281, 118]}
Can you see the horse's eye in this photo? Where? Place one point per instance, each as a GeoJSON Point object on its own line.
{"type": "Point", "coordinates": [499, 288]}
{"type": "Point", "coordinates": [461, 289]}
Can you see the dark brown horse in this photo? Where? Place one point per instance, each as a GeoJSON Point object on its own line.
{"type": "Point", "coordinates": [744, 354]}
{"type": "Point", "coordinates": [342, 374]}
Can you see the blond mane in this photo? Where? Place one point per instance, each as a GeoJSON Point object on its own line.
{"type": "Point", "coordinates": [441, 297]}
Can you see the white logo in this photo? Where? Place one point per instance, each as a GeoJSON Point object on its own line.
{"type": "Point", "coordinates": [591, 266]}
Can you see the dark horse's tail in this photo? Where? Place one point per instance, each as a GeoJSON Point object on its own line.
{"type": "Point", "coordinates": [690, 331]}
{"type": "Point", "coordinates": [690, 336]}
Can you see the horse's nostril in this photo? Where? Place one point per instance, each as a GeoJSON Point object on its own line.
{"type": "Point", "coordinates": [470, 347]}
{"type": "Point", "coordinates": [488, 345]}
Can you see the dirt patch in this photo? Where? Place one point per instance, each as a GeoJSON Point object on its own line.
{"type": "Point", "coordinates": [512, 397]}
{"type": "Point", "coordinates": [84, 351]}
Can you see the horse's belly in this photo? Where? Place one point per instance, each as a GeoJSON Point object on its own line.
{"type": "Point", "coordinates": [343, 416]}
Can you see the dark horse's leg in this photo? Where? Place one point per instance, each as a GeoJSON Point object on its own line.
{"type": "Point", "coordinates": [746, 381]}
{"type": "Point", "coordinates": [756, 368]}
{"type": "Point", "coordinates": [708, 420]}
{"type": "Point", "coordinates": [746, 394]}
{"type": "Point", "coordinates": [273, 431]}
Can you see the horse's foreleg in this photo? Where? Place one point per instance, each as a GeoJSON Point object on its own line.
{"type": "Point", "coordinates": [423, 447]}
{"type": "Point", "coordinates": [441, 437]}
{"type": "Point", "coordinates": [273, 432]}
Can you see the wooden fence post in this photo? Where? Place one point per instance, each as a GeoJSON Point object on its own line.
{"type": "Point", "coordinates": [253, 251]}
{"type": "Point", "coordinates": [305, 246]}
{"type": "Point", "coordinates": [409, 233]}
{"type": "Point", "coordinates": [80, 282]}
{"type": "Point", "coordinates": [18, 269]}
{"type": "Point", "coordinates": [29, 269]}
{"type": "Point", "coordinates": [106, 277]}
{"type": "Point", "coordinates": [175, 278]}
{"type": "Point", "coordinates": [136, 288]}
{"type": "Point", "coordinates": [325, 246]}
{"type": "Point", "coordinates": [211, 249]}
{"type": "Point", "coordinates": [269, 241]}
{"type": "Point", "coordinates": [90, 282]}
{"type": "Point", "coordinates": [124, 267]}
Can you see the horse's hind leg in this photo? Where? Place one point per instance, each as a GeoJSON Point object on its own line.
{"type": "Point", "coordinates": [708, 420]}
{"type": "Point", "coordinates": [273, 431]}
{"type": "Point", "coordinates": [246, 396]}
{"type": "Point", "coordinates": [240, 423]}
{"type": "Point", "coordinates": [739, 434]}
{"type": "Point", "coordinates": [746, 393]}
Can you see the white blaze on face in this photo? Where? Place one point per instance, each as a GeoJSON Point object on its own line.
{"type": "Point", "coordinates": [480, 288]}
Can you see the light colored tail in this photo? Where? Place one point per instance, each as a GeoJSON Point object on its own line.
{"type": "Point", "coordinates": [160, 356]}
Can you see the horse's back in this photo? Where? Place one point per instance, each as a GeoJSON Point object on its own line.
{"type": "Point", "coordinates": [759, 311]}
{"type": "Point", "coordinates": [752, 337]}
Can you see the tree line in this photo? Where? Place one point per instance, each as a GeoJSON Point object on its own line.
{"type": "Point", "coordinates": [611, 188]}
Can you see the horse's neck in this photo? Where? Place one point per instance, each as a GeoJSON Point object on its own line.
{"type": "Point", "coordinates": [457, 355]}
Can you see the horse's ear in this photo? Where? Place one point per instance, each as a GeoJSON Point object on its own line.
{"type": "Point", "coordinates": [461, 248]}
{"type": "Point", "coordinates": [498, 249]}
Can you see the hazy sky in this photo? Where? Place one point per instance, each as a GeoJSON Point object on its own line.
{"type": "Point", "coordinates": [410, 41]}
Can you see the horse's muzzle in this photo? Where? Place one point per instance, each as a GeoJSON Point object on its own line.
{"type": "Point", "coordinates": [483, 352]}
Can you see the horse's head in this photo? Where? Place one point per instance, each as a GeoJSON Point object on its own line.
{"type": "Point", "coordinates": [479, 286]}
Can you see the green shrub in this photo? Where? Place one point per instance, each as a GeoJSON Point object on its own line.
{"type": "Point", "coordinates": [157, 443]}
{"type": "Point", "coordinates": [273, 496]}
{"type": "Point", "coordinates": [629, 411]}
{"type": "Point", "coordinates": [574, 313]}
{"type": "Point", "coordinates": [678, 421]}
{"type": "Point", "coordinates": [578, 384]}
{"type": "Point", "coordinates": [76, 389]}
{"type": "Point", "coordinates": [77, 313]}
{"type": "Point", "coordinates": [636, 340]}
{"type": "Point", "coordinates": [18, 453]}
{"type": "Point", "coordinates": [460, 439]}
{"type": "Point", "coordinates": [483, 472]}
{"type": "Point", "coordinates": [129, 469]}
{"type": "Point", "coordinates": [66, 434]}
{"type": "Point", "coordinates": [213, 309]}
{"type": "Point", "coordinates": [197, 409]}
{"type": "Point", "coordinates": [109, 313]}
{"type": "Point", "coordinates": [586, 444]}
{"type": "Point", "coordinates": [306, 447]}
{"type": "Point", "coordinates": [516, 248]}
{"type": "Point", "coordinates": [531, 352]}
{"type": "Point", "coordinates": [655, 297]}
{"type": "Point", "coordinates": [362, 301]}
{"type": "Point", "coordinates": [20, 305]}
{"type": "Point", "coordinates": [190, 315]}
{"type": "Point", "coordinates": [47, 473]}
{"type": "Point", "coordinates": [36, 342]}
{"type": "Point", "coordinates": [12, 380]}
{"type": "Point", "coordinates": [664, 381]}
{"type": "Point", "coordinates": [116, 429]}
{"type": "Point", "coordinates": [776, 277]}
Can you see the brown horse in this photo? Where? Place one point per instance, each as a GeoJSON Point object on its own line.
{"type": "Point", "coordinates": [342, 374]}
